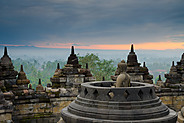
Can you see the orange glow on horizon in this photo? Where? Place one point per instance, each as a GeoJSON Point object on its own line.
{"type": "Point", "coordinates": [143, 46]}
{"type": "Point", "coordinates": [11, 45]}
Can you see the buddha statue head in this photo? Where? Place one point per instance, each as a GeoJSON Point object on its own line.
{"type": "Point", "coordinates": [122, 66]}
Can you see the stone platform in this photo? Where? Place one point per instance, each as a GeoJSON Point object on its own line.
{"type": "Point", "coordinates": [100, 103]}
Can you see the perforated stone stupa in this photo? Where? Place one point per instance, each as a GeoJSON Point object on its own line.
{"type": "Point", "coordinates": [175, 77]}
{"type": "Point", "coordinates": [72, 75]}
{"type": "Point", "coordinates": [101, 102]}
{"type": "Point", "coordinates": [18, 103]}
{"type": "Point", "coordinates": [7, 72]}
{"type": "Point", "coordinates": [21, 89]}
{"type": "Point", "coordinates": [137, 72]}
{"type": "Point", "coordinates": [98, 103]}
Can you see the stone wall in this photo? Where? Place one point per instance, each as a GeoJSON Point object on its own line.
{"type": "Point", "coordinates": [135, 77]}
{"type": "Point", "coordinates": [174, 100]}
{"type": "Point", "coordinates": [5, 117]}
{"type": "Point", "coordinates": [37, 111]}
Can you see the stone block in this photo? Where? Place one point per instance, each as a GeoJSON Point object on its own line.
{"type": "Point", "coordinates": [48, 110]}
{"type": "Point", "coordinates": [5, 117]}
{"type": "Point", "coordinates": [55, 103]}
{"type": "Point", "coordinates": [177, 107]}
{"type": "Point", "coordinates": [57, 110]}
{"type": "Point", "coordinates": [35, 110]}
{"type": "Point", "coordinates": [168, 98]}
{"type": "Point", "coordinates": [36, 106]}
{"type": "Point", "coordinates": [178, 103]}
{"type": "Point", "coordinates": [40, 110]}
{"type": "Point", "coordinates": [64, 104]}
{"type": "Point", "coordinates": [22, 112]}
{"type": "Point", "coordinates": [180, 118]}
{"type": "Point", "coordinates": [180, 98]}
{"type": "Point", "coordinates": [33, 121]}
{"type": "Point", "coordinates": [2, 111]}
{"type": "Point", "coordinates": [42, 105]}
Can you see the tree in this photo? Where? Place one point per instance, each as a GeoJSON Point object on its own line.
{"type": "Point", "coordinates": [99, 68]}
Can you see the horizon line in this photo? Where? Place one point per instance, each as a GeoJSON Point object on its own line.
{"type": "Point", "coordinates": [137, 46]}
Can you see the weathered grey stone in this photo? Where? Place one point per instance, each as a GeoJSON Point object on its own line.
{"type": "Point", "coordinates": [137, 73]}
{"type": "Point", "coordinates": [7, 72]}
{"type": "Point", "coordinates": [138, 103]}
{"type": "Point", "coordinates": [175, 77]}
{"type": "Point", "coordinates": [71, 76]}
{"type": "Point", "coordinates": [123, 79]}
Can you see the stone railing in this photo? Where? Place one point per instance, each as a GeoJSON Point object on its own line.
{"type": "Point", "coordinates": [102, 91]}
{"type": "Point", "coordinates": [101, 102]}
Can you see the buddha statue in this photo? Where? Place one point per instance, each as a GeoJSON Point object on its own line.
{"type": "Point", "coordinates": [123, 80]}
{"type": "Point", "coordinates": [182, 111]}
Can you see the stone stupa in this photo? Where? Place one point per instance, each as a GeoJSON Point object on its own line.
{"type": "Point", "coordinates": [137, 72]}
{"type": "Point", "coordinates": [175, 77]}
{"type": "Point", "coordinates": [39, 88]}
{"type": "Point", "coordinates": [69, 78]}
{"type": "Point", "coordinates": [7, 72]}
{"type": "Point", "coordinates": [101, 102]}
{"type": "Point", "coordinates": [22, 90]}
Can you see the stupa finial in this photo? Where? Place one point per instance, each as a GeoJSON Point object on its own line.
{"type": "Point", "coordinates": [172, 63]}
{"type": "Point", "coordinates": [39, 82]}
{"type": "Point", "coordinates": [30, 86]}
{"type": "Point", "coordinates": [5, 51]}
{"type": "Point", "coordinates": [86, 65]}
{"type": "Point", "coordinates": [72, 50]}
{"type": "Point", "coordinates": [21, 68]}
{"type": "Point", "coordinates": [132, 48]}
{"type": "Point", "coordinates": [103, 79]}
{"type": "Point", "coordinates": [58, 67]}
{"type": "Point", "coordinates": [144, 64]}
{"type": "Point", "coordinates": [159, 78]}
{"type": "Point", "coordinates": [182, 56]}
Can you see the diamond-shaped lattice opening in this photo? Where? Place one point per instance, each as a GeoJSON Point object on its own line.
{"type": "Point", "coordinates": [151, 92]}
{"type": "Point", "coordinates": [126, 94]}
{"type": "Point", "coordinates": [95, 93]}
{"type": "Point", "coordinates": [112, 84]}
{"type": "Point", "coordinates": [110, 94]}
{"type": "Point", "coordinates": [85, 91]}
{"type": "Point", "coordinates": [101, 85]}
{"type": "Point", "coordinates": [140, 94]}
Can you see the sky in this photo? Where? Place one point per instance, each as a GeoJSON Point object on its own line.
{"type": "Point", "coordinates": [93, 24]}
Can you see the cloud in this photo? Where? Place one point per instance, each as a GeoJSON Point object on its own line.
{"type": "Point", "coordinates": [176, 38]}
{"type": "Point", "coordinates": [75, 44]}
{"type": "Point", "coordinates": [89, 22]}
